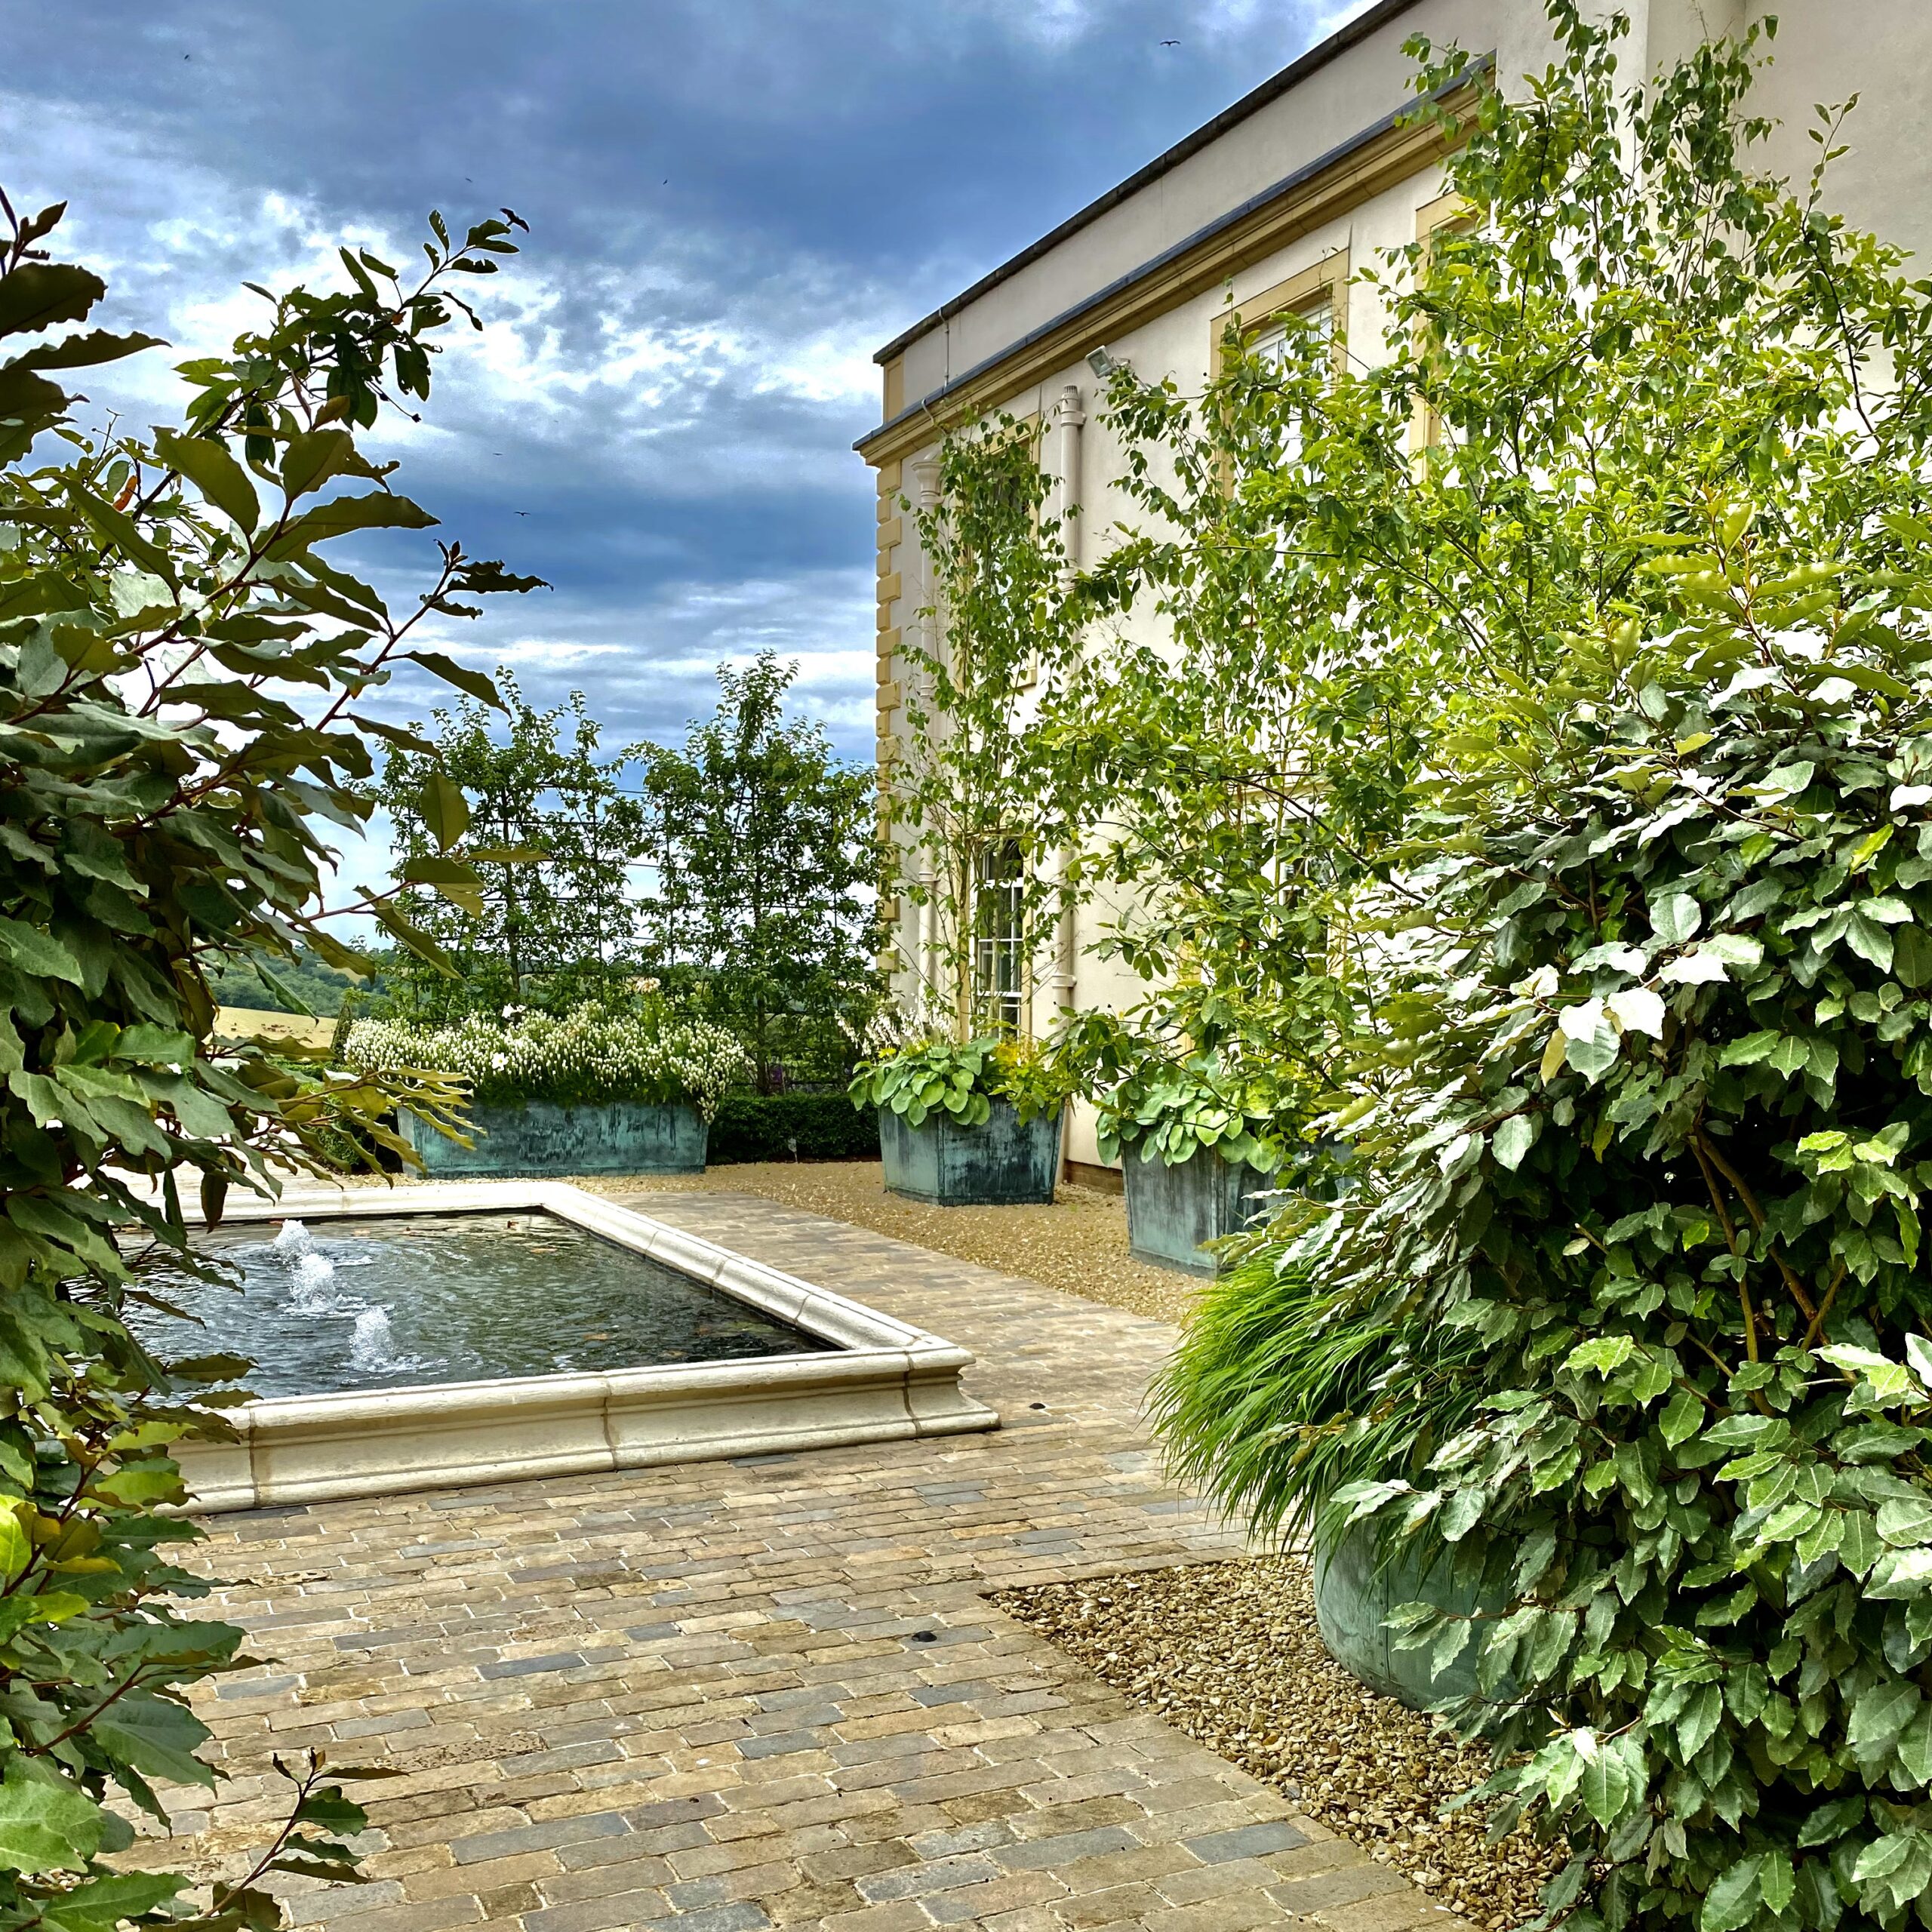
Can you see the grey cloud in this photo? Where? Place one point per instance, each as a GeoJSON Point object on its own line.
{"type": "Point", "coordinates": [731, 205]}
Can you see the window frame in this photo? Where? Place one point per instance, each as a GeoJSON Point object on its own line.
{"type": "Point", "coordinates": [1323, 284]}
{"type": "Point", "coordinates": [1002, 999]}
{"type": "Point", "coordinates": [1446, 211]}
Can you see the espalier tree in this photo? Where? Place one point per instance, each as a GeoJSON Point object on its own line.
{"type": "Point", "coordinates": [181, 675]}
{"type": "Point", "coordinates": [552, 835]}
{"type": "Point", "coordinates": [1252, 751]}
{"type": "Point", "coordinates": [981, 830]}
{"type": "Point", "coordinates": [1625, 1324]}
{"type": "Point", "coordinates": [762, 846]}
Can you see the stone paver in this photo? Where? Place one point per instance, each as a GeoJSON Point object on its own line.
{"type": "Point", "coordinates": [732, 1696]}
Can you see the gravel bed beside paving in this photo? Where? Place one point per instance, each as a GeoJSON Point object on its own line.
{"type": "Point", "coordinates": [1229, 1653]}
{"type": "Point", "coordinates": [1078, 1245]}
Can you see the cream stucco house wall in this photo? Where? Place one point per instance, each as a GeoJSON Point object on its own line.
{"type": "Point", "coordinates": [1270, 205]}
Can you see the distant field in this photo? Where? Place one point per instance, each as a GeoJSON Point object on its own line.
{"type": "Point", "coordinates": [251, 1022]}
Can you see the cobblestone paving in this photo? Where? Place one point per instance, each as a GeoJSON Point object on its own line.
{"type": "Point", "coordinates": [735, 1695]}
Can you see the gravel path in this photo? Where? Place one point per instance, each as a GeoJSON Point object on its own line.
{"type": "Point", "coordinates": [1229, 1653]}
{"type": "Point", "coordinates": [1078, 1245]}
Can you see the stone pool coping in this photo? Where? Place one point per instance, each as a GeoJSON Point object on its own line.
{"type": "Point", "coordinates": [886, 1381]}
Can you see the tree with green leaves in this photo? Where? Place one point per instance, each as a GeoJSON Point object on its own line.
{"type": "Point", "coordinates": [981, 833]}
{"type": "Point", "coordinates": [762, 898]}
{"type": "Point", "coordinates": [184, 679]}
{"type": "Point", "coordinates": [1623, 1328]}
{"type": "Point", "coordinates": [553, 839]}
{"type": "Point", "coordinates": [978, 832]}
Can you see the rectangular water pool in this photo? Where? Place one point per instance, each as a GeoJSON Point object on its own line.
{"type": "Point", "coordinates": [472, 1333]}
{"type": "Point", "coordinates": [408, 1298]}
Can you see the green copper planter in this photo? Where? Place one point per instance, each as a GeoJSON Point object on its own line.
{"type": "Point", "coordinates": [537, 1139]}
{"type": "Point", "coordinates": [1002, 1163]}
{"type": "Point", "coordinates": [1172, 1213]}
{"type": "Point", "coordinates": [1355, 1591]}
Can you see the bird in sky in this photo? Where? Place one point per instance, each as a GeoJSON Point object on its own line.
{"type": "Point", "coordinates": [1171, 43]}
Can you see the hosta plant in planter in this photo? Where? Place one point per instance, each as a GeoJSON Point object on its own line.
{"type": "Point", "coordinates": [589, 1091]}
{"type": "Point", "coordinates": [968, 1124]}
{"type": "Point", "coordinates": [1196, 1131]}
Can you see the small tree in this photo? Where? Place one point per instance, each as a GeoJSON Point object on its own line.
{"type": "Point", "coordinates": [982, 833]}
{"type": "Point", "coordinates": [181, 669]}
{"type": "Point", "coordinates": [762, 900]}
{"type": "Point", "coordinates": [1623, 1328]}
{"type": "Point", "coordinates": [553, 838]}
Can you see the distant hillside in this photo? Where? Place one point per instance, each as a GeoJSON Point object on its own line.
{"type": "Point", "coordinates": [319, 987]}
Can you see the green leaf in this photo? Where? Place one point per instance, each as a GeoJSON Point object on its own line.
{"type": "Point", "coordinates": [1897, 1574]}
{"type": "Point", "coordinates": [1915, 1746]}
{"type": "Point", "coordinates": [1682, 1419]}
{"type": "Point", "coordinates": [418, 941]}
{"type": "Point", "coordinates": [1832, 1821]}
{"type": "Point", "coordinates": [1675, 917]}
{"type": "Point", "coordinates": [1700, 1718]}
{"type": "Point", "coordinates": [38, 953]}
{"type": "Point", "coordinates": [1608, 1784]}
{"type": "Point", "coordinates": [46, 1824]}
{"type": "Point", "coordinates": [78, 352]}
{"type": "Point", "coordinates": [16, 1549]}
{"type": "Point", "coordinates": [1871, 941]}
{"type": "Point", "coordinates": [155, 1735]}
{"type": "Point", "coordinates": [313, 458]}
{"type": "Point", "coordinates": [35, 295]}
{"type": "Point", "coordinates": [1912, 956]}
{"type": "Point", "coordinates": [117, 530]}
{"type": "Point", "coordinates": [1590, 1040]}
{"type": "Point", "coordinates": [207, 465]}
{"type": "Point", "coordinates": [445, 811]}
{"type": "Point", "coordinates": [1777, 1883]}
{"type": "Point", "coordinates": [472, 682]}
{"type": "Point", "coordinates": [104, 1903]}
{"type": "Point", "coordinates": [1512, 1140]}
{"type": "Point", "coordinates": [1601, 1354]}
{"type": "Point", "coordinates": [1879, 1715]}
{"type": "Point", "coordinates": [455, 882]}
{"type": "Point", "coordinates": [1732, 1900]}
{"type": "Point", "coordinates": [378, 510]}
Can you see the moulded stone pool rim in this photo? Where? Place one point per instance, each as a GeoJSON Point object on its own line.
{"type": "Point", "coordinates": [886, 1381]}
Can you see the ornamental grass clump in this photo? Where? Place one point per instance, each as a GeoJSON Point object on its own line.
{"type": "Point", "coordinates": [582, 1058]}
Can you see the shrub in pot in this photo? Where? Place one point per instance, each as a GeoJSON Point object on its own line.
{"type": "Point", "coordinates": [1195, 1131]}
{"type": "Point", "coordinates": [1626, 1327]}
{"type": "Point", "coordinates": [974, 1124]}
{"type": "Point", "coordinates": [589, 1091]}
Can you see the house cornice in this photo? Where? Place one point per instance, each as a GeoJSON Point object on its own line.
{"type": "Point", "coordinates": [1389, 151]}
{"type": "Point", "coordinates": [1298, 70]}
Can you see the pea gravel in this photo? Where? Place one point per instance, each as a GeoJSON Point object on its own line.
{"type": "Point", "coordinates": [1229, 1653]}
{"type": "Point", "coordinates": [1078, 1245]}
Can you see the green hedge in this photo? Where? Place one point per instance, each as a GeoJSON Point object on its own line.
{"type": "Point", "coordinates": [764, 1127]}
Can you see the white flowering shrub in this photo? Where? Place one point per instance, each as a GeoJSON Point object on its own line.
{"type": "Point", "coordinates": [584, 1057]}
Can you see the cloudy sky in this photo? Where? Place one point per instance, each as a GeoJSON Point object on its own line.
{"type": "Point", "coordinates": [733, 203]}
